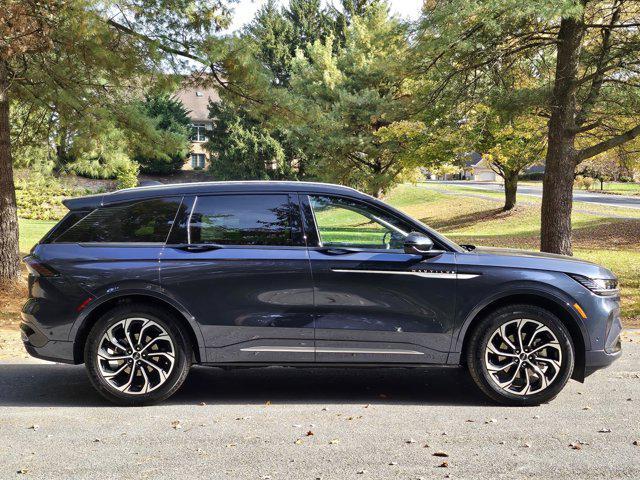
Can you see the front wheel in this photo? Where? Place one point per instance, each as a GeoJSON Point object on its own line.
{"type": "Point", "coordinates": [521, 355]}
{"type": "Point", "coordinates": [137, 354]}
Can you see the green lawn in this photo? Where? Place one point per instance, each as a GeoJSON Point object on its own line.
{"type": "Point", "coordinates": [614, 243]}
{"type": "Point", "coordinates": [31, 231]}
{"type": "Point", "coordinates": [622, 188]}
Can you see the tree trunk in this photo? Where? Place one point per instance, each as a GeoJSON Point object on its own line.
{"type": "Point", "coordinates": [510, 190]}
{"type": "Point", "coordinates": [9, 255]}
{"type": "Point", "coordinates": [557, 192]}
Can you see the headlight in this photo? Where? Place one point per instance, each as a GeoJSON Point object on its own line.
{"type": "Point", "coordinates": [600, 286]}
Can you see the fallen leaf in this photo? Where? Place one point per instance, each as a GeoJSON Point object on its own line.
{"type": "Point", "coordinates": [96, 440]}
{"type": "Point", "coordinates": [22, 471]}
{"type": "Point", "coordinates": [298, 441]}
{"type": "Point", "coordinates": [576, 446]}
{"type": "Point", "coordinates": [361, 472]}
{"type": "Point", "coordinates": [393, 463]}
{"type": "Point", "coordinates": [536, 417]}
{"type": "Point", "coordinates": [586, 408]}
{"type": "Point", "coordinates": [267, 403]}
{"type": "Point", "coordinates": [296, 425]}
{"type": "Point", "coordinates": [604, 430]}
{"type": "Point", "coordinates": [411, 440]}
{"type": "Point", "coordinates": [232, 445]}
{"type": "Point", "coordinates": [309, 433]}
{"type": "Point", "coordinates": [426, 445]}
{"type": "Point", "coordinates": [335, 441]}
{"type": "Point", "coordinates": [33, 427]}
{"type": "Point", "coordinates": [470, 421]}
{"type": "Point", "coordinates": [491, 420]}
{"type": "Point", "coordinates": [440, 454]}
{"type": "Point", "coordinates": [527, 445]}
{"type": "Point", "coordinates": [325, 409]}
{"type": "Point", "coordinates": [444, 465]}
{"type": "Point", "coordinates": [176, 424]}
{"type": "Point", "coordinates": [202, 404]}
{"type": "Point", "coordinates": [636, 443]}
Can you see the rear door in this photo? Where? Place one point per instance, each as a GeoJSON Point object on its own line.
{"type": "Point", "coordinates": [239, 263]}
{"type": "Point", "coordinates": [375, 303]}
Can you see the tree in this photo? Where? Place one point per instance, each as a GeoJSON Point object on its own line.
{"type": "Point", "coordinates": [243, 150]}
{"type": "Point", "coordinates": [165, 147]}
{"type": "Point", "coordinates": [588, 50]}
{"type": "Point", "coordinates": [509, 143]}
{"type": "Point", "coordinates": [342, 105]}
{"type": "Point", "coordinates": [76, 54]}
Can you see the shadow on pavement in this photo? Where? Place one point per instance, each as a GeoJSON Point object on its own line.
{"type": "Point", "coordinates": [66, 385]}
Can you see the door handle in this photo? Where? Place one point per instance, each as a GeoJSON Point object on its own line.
{"type": "Point", "coordinates": [194, 247]}
{"type": "Point", "coordinates": [338, 250]}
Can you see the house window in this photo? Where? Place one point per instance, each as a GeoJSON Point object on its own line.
{"type": "Point", "coordinates": [198, 132]}
{"type": "Point", "coordinates": [197, 160]}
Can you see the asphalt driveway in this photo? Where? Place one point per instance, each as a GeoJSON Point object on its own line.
{"type": "Point", "coordinates": [282, 423]}
{"type": "Point", "coordinates": [625, 201]}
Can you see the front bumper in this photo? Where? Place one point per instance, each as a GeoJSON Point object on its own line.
{"type": "Point", "coordinates": [39, 346]}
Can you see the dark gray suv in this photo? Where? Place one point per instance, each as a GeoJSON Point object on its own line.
{"type": "Point", "coordinates": [142, 283]}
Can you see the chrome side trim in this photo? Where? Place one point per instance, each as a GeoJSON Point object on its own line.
{"type": "Point", "coordinates": [330, 350]}
{"type": "Point", "coordinates": [417, 273]}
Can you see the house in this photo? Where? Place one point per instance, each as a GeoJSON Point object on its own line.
{"type": "Point", "coordinates": [196, 101]}
{"type": "Point", "coordinates": [476, 168]}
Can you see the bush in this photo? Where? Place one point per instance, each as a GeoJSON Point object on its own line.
{"type": "Point", "coordinates": [40, 197]}
{"type": "Point", "coordinates": [585, 183]}
{"type": "Point", "coordinates": [535, 177]}
{"type": "Point", "coordinates": [127, 175]}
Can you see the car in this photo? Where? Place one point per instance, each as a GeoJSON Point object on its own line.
{"type": "Point", "coordinates": [140, 284]}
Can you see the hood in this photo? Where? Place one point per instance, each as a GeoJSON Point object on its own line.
{"type": "Point", "coordinates": [509, 257]}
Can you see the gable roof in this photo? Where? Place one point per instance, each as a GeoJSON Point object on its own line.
{"type": "Point", "coordinates": [196, 100]}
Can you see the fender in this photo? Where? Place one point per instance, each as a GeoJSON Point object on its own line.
{"type": "Point", "coordinates": [142, 289]}
{"type": "Point", "coordinates": [521, 288]}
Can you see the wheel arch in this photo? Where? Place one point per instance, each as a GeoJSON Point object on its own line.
{"type": "Point", "coordinates": [555, 305]}
{"type": "Point", "coordinates": [82, 327]}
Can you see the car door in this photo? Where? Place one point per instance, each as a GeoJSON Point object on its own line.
{"type": "Point", "coordinates": [239, 264]}
{"type": "Point", "coordinates": [375, 303]}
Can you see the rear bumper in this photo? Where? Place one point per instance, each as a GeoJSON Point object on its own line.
{"type": "Point", "coordinates": [39, 346]}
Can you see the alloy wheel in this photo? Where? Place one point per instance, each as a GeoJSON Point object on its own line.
{"type": "Point", "coordinates": [523, 357]}
{"type": "Point", "coordinates": [136, 356]}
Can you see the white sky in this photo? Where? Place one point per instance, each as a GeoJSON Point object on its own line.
{"type": "Point", "coordinates": [244, 10]}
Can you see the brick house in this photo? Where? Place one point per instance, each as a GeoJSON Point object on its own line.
{"type": "Point", "coordinates": [196, 101]}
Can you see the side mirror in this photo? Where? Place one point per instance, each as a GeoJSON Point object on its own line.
{"type": "Point", "coordinates": [417, 244]}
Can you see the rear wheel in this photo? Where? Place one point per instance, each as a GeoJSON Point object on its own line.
{"type": "Point", "coordinates": [521, 355]}
{"type": "Point", "coordinates": [137, 355]}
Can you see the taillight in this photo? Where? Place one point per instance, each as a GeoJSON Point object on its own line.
{"type": "Point", "coordinates": [39, 269]}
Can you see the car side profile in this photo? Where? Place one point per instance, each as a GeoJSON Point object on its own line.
{"type": "Point", "coordinates": [142, 283]}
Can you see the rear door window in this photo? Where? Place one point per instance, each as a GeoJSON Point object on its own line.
{"type": "Point", "coordinates": [147, 221]}
{"type": "Point", "coordinates": [244, 220]}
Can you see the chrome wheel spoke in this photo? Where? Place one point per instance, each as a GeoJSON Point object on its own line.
{"type": "Point", "coordinates": [129, 368]}
{"type": "Point", "coordinates": [493, 349]}
{"type": "Point", "coordinates": [553, 344]}
{"type": "Point", "coordinates": [505, 338]}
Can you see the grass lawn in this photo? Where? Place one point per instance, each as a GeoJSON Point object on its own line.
{"type": "Point", "coordinates": [614, 243]}
{"type": "Point", "coordinates": [31, 231]}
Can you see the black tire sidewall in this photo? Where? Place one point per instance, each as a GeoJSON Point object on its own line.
{"type": "Point", "coordinates": [180, 341]}
{"type": "Point", "coordinates": [481, 337]}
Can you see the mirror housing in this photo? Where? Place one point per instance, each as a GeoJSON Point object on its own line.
{"type": "Point", "coordinates": [417, 244]}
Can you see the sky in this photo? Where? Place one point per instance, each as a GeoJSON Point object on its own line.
{"type": "Point", "coordinates": [244, 10]}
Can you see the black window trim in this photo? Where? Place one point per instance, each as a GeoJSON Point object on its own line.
{"type": "Point", "coordinates": [192, 201]}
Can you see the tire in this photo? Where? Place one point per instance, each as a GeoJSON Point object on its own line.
{"type": "Point", "coordinates": [107, 352]}
{"type": "Point", "coordinates": [505, 378]}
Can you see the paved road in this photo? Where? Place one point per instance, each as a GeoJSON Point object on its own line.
{"type": "Point", "coordinates": [387, 424]}
{"type": "Point", "coordinates": [625, 201]}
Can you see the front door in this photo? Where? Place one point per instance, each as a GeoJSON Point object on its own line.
{"type": "Point", "coordinates": [375, 303]}
{"type": "Point", "coordinates": [240, 266]}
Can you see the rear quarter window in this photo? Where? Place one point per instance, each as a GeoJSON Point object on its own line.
{"type": "Point", "coordinates": [147, 221]}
